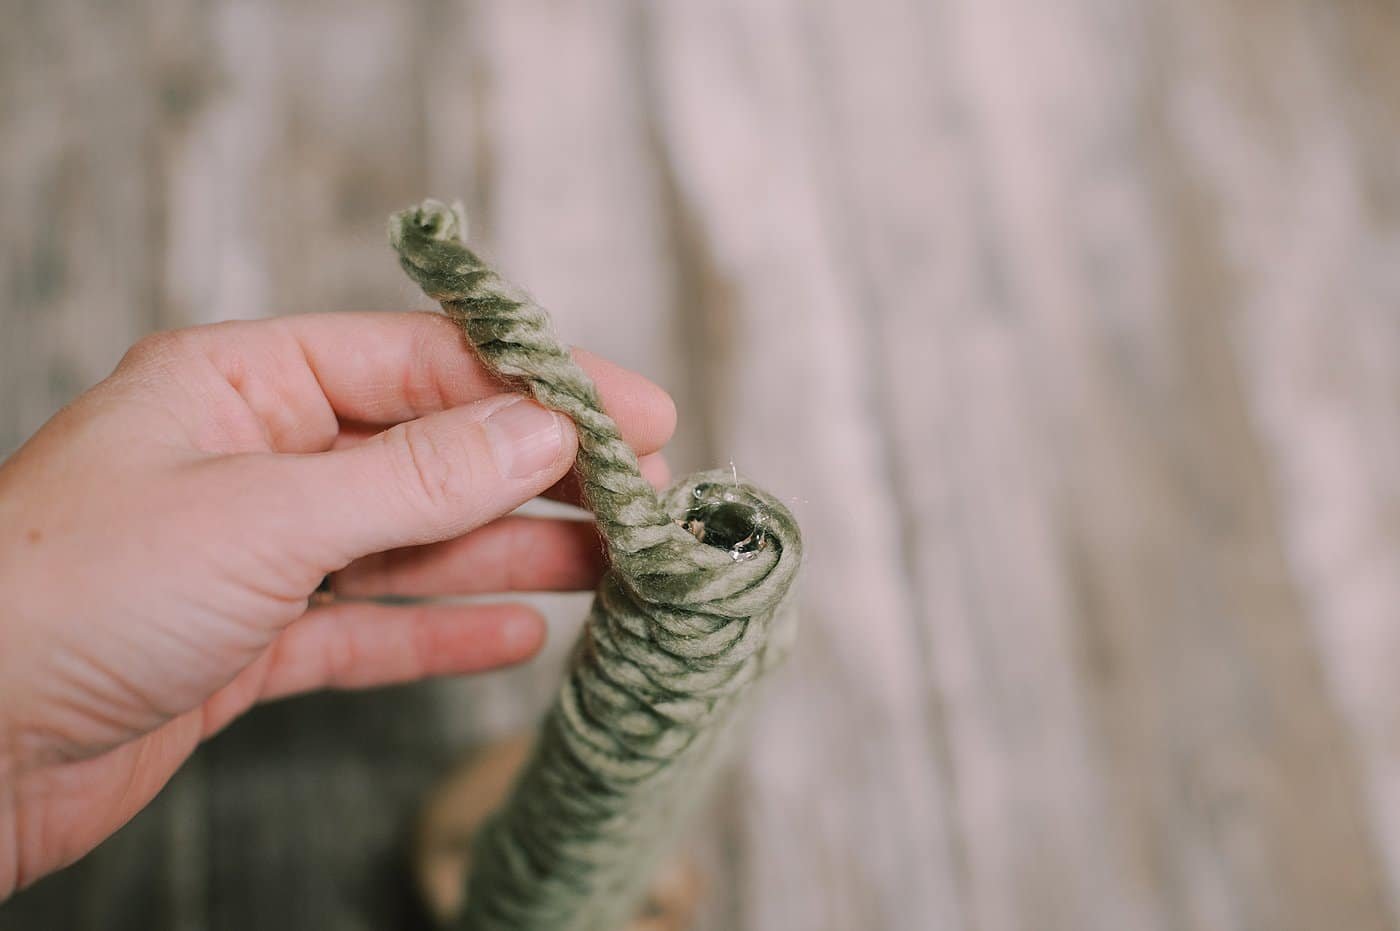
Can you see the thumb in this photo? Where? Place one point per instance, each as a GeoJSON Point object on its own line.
{"type": "Point", "coordinates": [426, 480]}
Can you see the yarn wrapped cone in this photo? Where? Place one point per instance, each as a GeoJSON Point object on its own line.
{"type": "Point", "coordinates": [692, 613]}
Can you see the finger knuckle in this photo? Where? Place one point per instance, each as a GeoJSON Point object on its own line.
{"type": "Point", "coordinates": [341, 661]}
{"type": "Point", "coordinates": [155, 348]}
{"type": "Point", "coordinates": [435, 478]}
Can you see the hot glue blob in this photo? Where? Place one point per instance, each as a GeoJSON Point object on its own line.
{"type": "Point", "coordinates": [728, 518]}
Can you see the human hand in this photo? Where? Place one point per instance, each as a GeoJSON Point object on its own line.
{"type": "Point", "coordinates": [161, 537]}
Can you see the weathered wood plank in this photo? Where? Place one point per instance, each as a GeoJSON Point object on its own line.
{"type": "Point", "coordinates": [1071, 331]}
{"type": "Point", "coordinates": [922, 216]}
{"type": "Point", "coordinates": [80, 162]}
{"type": "Point", "coordinates": [318, 133]}
{"type": "Point", "coordinates": [561, 163]}
{"type": "Point", "coordinates": [1226, 760]}
{"type": "Point", "coordinates": [268, 186]}
{"type": "Point", "coordinates": [839, 790]}
{"type": "Point", "coordinates": [1285, 131]}
{"type": "Point", "coordinates": [84, 97]}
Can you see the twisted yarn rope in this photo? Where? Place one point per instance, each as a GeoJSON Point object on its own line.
{"type": "Point", "coordinates": [690, 615]}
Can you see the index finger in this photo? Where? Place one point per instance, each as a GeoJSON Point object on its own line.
{"type": "Point", "coordinates": [385, 368]}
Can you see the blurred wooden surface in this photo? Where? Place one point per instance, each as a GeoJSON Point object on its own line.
{"type": "Point", "coordinates": [1073, 331]}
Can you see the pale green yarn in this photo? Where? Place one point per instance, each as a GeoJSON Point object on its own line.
{"type": "Point", "coordinates": [678, 633]}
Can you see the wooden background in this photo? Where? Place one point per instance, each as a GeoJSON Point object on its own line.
{"type": "Point", "coordinates": [1072, 330]}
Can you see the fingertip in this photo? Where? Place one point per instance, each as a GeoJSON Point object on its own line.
{"type": "Point", "coordinates": [523, 633]}
{"type": "Point", "coordinates": [491, 636]}
{"type": "Point", "coordinates": [644, 411]}
{"type": "Point", "coordinates": [665, 414]}
{"type": "Point", "coordinates": [656, 470]}
{"type": "Point", "coordinates": [361, 644]}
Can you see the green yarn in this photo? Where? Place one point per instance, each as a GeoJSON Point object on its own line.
{"type": "Point", "coordinates": [692, 612]}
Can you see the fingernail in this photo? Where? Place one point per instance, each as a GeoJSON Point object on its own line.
{"type": "Point", "coordinates": [525, 438]}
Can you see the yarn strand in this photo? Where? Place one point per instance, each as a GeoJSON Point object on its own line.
{"type": "Point", "coordinates": [691, 614]}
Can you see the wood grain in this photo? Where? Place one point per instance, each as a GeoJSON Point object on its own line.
{"type": "Point", "coordinates": [1072, 331]}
